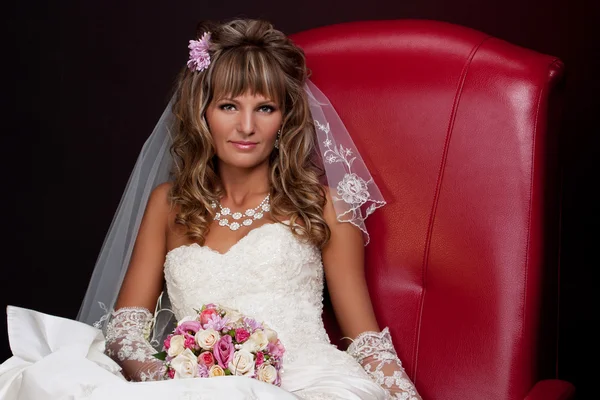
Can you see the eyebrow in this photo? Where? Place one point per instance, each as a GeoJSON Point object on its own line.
{"type": "Point", "coordinates": [262, 103]}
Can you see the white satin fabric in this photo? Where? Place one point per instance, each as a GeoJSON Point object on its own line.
{"type": "Point", "coordinates": [269, 274]}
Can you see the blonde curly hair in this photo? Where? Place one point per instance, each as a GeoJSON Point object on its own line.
{"type": "Point", "coordinates": [247, 56]}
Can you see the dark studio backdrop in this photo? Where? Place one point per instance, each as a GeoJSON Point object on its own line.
{"type": "Point", "coordinates": [88, 81]}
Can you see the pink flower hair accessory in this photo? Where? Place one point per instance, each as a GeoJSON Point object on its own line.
{"type": "Point", "coordinates": [199, 57]}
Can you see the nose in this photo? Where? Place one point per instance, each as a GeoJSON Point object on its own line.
{"type": "Point", "coordinates": [246, 122]}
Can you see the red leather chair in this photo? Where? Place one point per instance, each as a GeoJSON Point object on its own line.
{"type": "Point", "coordinates": [460, 131]}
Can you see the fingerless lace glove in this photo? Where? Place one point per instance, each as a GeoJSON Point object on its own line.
{"type": "Point", "coordinates": [375, 352]}
{"type": "Point", "coordinates": [127, 343]}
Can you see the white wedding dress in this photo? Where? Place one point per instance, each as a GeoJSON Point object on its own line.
{"type": "Point", "coordinates": [269, 275]}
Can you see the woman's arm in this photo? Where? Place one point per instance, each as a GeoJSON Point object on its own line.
{"type": "Point", "coordinates": [343, 260]}
{"type": "Point", "coordinates": [128, 330]}
{"type": "Point", "coordinates": [143, 280]}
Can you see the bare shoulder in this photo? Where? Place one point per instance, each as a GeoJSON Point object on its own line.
{"type": "Point", "coordinates": [329, 213]}
{"type": "Point", "coordinates": [343, 234]}
{"type": "Point", "coordinates": [159, 198]}
{"type": "Point", "coordinates": [162, 190]}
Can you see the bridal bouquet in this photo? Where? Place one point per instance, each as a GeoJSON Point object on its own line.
{"type": "Point", "coordinates": [218, 341]}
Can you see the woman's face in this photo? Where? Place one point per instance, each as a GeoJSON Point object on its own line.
{"type": "Point", "coordinates": [244, 129]}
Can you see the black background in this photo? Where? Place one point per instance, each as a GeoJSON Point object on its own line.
{"type": "Point", "coordinates": [88, 81]}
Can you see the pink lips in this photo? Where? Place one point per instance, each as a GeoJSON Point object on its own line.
{"type": "Point", "coordinates": [243, 145]}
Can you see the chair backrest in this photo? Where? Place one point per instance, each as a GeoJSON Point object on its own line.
{"type": "Point", "coordinates": [457, 129]}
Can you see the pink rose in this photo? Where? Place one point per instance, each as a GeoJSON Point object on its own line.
{"type": "Point", "coordinates": [206, 358]}
{"type": "Point", "coordinates": [260, 358]}
{"type": "Point", "coordinates": [206, 315]}
{"type": "Point", "coordinates": [241, 335]}
{"type": "Point", "coordinates": [223, 351]}
{"type": "Point", "coordinates": [167, 342]}
{"type": "Point", "coordinates": [190, 342]}
{"type": "Point", "coordinates": [187, 326]}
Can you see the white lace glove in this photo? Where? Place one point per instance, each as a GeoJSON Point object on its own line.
{"type": "Point", "coordinates": [375, 352]}
{"type": "Point", "coordinates": [127, 343]}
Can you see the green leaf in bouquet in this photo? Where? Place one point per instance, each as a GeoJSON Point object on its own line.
{"type": "Point", "coordinates": [227, 371]}
{"type": "Point", "coordinates": [161, 356]}
{"type": "Point", "coordinates": [231, 333]}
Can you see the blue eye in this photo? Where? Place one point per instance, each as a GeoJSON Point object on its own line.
{"type": "Point", "coordinates": [267, 109]}
{"type": "Point", "coordinates": [227, 107]}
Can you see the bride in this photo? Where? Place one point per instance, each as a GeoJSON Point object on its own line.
{"type": "Point", "coordinates": [227, 204]}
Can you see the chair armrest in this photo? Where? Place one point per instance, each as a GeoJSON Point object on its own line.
{"type": "Point", "coordinates": [552, 389]}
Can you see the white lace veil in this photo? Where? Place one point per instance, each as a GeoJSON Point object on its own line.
{"type": "Point", "coordinates": [353, 190]}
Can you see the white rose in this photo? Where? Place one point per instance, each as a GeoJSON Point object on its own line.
{"type": "Point", "coordinates": [185, 365]}
{"type": "Point", "coordinates": [250, 346]}
{"type": "Point", "coordinates": [271, 335]}
{"type": "Point", "coordinates": [206, 339]}
{"type": "Point", "coordinates": [216, 370]}
{"type": "Point", "coordinates": [267, 373]}
{"type": "Point", "coordinates": [233, 315]}
{"type": "Point", "coordinates": [176, 347]}
{"type": "Point", "coordinates": [185, 319]}
{"type": "Point", "coordinates": [242, 363]}
{"type": "Point", "coordinates": [257, 341]}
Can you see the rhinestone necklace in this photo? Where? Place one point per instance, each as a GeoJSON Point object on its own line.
{"type": "Point", "coordinates": [250, 214]}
